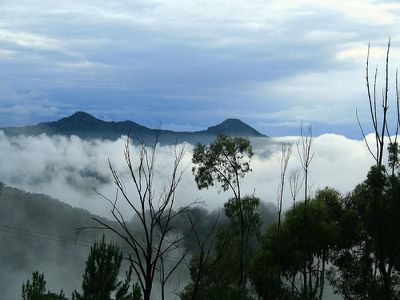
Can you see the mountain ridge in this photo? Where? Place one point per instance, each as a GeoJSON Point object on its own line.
{"type": "Point", "coordinates": [85, 125]}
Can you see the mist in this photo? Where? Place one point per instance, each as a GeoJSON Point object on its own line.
{"type": "Point", "coordinates": [75, 171]}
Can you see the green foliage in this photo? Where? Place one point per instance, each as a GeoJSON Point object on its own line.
{"type": "Point", "coordinates": [220, 273]}
{"type": "Point", "coordinates": [274, 280]}
{"type": "Point", "coordinates": [393, 152]}
{"type": "Point", "coordinates": [224, 161]}
{"type": "Point", "coordinates": [251, 216]}
{"type": "Point", "coordinates": [244, 214]}
{"type": "Point", "coordinates": [136, 292]}
{"type": "Point", "coordinates": [36, 290]}
{"type": "Point", "coordinates": [367, 261]}
{"type": "Point", "coordinates": [100, 279]}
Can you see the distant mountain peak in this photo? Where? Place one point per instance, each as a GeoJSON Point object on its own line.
{"type": "Point", "coordinates": [233, 122]}
{"type": "Point", "coordinates": [85, 125]}
{"type": "Point", "coordinates": [234, 127]}
{"type": "Point", "coordinates": [80, 116]}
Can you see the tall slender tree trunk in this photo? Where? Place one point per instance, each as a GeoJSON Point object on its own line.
{"type": "Point", "coordinates": [305, 235]}
{"type": "Point", "coordinates": [322, 282]}
{"type": "Point", "coordinates": [242, 229]}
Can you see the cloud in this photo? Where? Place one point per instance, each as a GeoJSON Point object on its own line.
{"type": "Point", "coordinates": [29, 40]}
{"type": "Point", "coordinates": [23, 107]}
{"type": "Point", "coordinates": [69, 169]}
{"type": "Point", "coordinates": [173, 55]}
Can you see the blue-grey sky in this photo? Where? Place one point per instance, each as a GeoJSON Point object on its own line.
{"type": "Point", "coordinates": [190, 64]}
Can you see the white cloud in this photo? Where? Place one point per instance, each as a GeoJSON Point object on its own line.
{"type": "Point", "coordinates": [359, 52]}
{"type": "Point", "coordinates": [29, 40]}
{"type": "Point", "coordinates": [65, 168]}
{"type": "Point", "coordinates": [380, 13]}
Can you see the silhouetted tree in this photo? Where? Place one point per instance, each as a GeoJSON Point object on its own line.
{"type": "Point", "coordinates": [280, 279]}
{"type": "Point", "coordinates": [306, 157]}
{"type": "Point", "coordinates": [154, 238]}
{"type": "Point", "coordinates": [225, 162]}
{"type": "Point", "coordinates": [286, 152]}
{"type": "Point", "coordinates": [202, 261]}
{"type": "Point", "coordinates": [36, 289]}
{"type": "Point", "coordinates": [100, 279]}
{"type": "Point", "coordinates": [216, 276]}
{"type": "Point", "coordinates": [369, 260]}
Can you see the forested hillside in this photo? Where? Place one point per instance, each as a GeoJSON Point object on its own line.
{"type": "Point", "coordinates": [38, 232]}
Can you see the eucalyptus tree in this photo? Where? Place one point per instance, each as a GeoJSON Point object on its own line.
{"type": "Point", "coordinates": [367, 266]}
{"type": "Point", "coordinates": [225, 162]}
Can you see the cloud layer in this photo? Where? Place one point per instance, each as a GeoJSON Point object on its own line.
{"type": "Point", "coordinates": [191, 64]}
{"type": "Point", "coordinates": [69, 169]}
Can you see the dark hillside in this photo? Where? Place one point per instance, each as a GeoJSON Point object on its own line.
{"type": "Point", "coordinates": [38, 233]}
{"type": "Point", "coordinates": [85, 125]}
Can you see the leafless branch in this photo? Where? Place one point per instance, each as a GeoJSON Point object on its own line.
{"type": "Point", "coordinates": [154, 211]}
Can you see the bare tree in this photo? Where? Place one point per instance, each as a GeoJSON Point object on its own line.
{"type": "Point", "coordinates": [380, 127]}
{"type": "Point", "coordinates": [286, 152]}
{"type": "Point", "coordinates": [295, 185]}
{"type": "Point", "coordinates": [156, 241]}
{"type": "Point", "coordinates": [382, 268]}
{"type": "Point", "coordinates": [205, 245]}
{"type": "Point", "coordinates": [306, 157]}
{"type": "Point", "coordinates": [393, 147]}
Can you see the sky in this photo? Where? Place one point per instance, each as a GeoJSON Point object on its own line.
{"type": "Point", "coordinates": [188, 65]}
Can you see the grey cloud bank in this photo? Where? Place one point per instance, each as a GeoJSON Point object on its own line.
{"type": "Point", "coordinates": [70, 168]}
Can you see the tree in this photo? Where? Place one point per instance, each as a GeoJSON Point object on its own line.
{"type": "Point", "coordinates": [366, 261]}
{"type": "Point", "coordinates": [36, 290]}
{"type": "Point", "coordinates": [280, 279]}
{"type": "Point", "coordinates": [100, 279]}
{"type": "Point", "coordinates": [225, 162]}
{"type": "Point", "coordinates": [380, 126]}
{"type": "Point", "coordinates": [154, 238]}
{"type": "Point", "coordinates": [295, 185]}
{"type": "Point", "coordinates": [200, 262]}
{"type": "Point", "coordinates": [306, 157]}
{"type": "Point", "coordinates": [374, 204]}
{"type": "Point", "coordinates": [286, 152]}
{"type": "Point", "coordinates": [216, 276]}
{"type": "Point", "coordinates": [244, 215]}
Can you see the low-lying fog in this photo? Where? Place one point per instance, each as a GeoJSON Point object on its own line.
{"type": "Point", "coordinates": [69, 168]}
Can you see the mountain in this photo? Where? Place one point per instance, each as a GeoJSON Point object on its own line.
{"type": "Point", "coordinates": [39, 233]}
{"type": "Point", "coordinates": [85, 125]}
{"type": "Point", "coordinates": [234, 127]}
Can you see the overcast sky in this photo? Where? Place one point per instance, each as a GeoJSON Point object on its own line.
{"type": "Point", "coordinates": [191, 64]}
